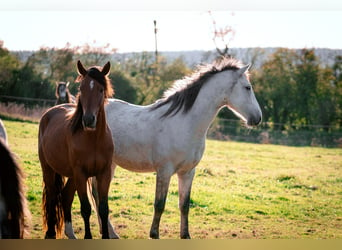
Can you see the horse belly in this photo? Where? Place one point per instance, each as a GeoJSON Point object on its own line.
{"type": "Point", "coordinates": [134, 163]}
{"type": "Point", "coordinates": [133, 151]}
{"type": "Point", "coordinates": [134, 157]}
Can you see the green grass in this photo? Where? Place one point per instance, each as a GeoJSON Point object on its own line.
{"type": "Point", "coordinates": [240, 190]}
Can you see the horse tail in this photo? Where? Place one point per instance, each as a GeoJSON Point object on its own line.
{"type": "Point", "coordinates": [56, 202]}
{"type": "Point", "coordinates": [92, 192]}
{"type": "Point", "coordinates": [93, 197]}
{"type": "Point", "coordinates": [13, 194]}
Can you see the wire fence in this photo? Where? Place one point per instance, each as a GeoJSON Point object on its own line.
{"type": "Point", "coordinates": [271, 133]}
{"type": "Point", "coordinates": [220, 129]}
{"type": "Point", "coordinates": [27, 101]}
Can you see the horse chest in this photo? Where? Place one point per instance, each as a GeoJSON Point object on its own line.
{"type": "Point", "coordinates": [93, 158]}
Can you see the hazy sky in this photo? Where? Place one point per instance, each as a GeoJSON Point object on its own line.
{"type": "Point", "coordinates": [30, 26]}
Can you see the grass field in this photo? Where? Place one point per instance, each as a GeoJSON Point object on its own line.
{"type": "Point", "coordinates": [241, 190]}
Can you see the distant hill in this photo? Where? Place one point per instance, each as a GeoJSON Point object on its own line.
{"type": "Point", "coordinates": [256, 56]}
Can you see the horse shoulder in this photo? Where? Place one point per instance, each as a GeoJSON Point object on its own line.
{"type": "Point", "coordinates": [54, 116]}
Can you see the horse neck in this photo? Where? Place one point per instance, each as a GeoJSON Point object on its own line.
{"type": "Point", "coordinates": [210, 100]}
{"type": "Point", "coordinates": [101, 125]}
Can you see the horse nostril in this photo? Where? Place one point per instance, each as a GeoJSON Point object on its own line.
{"type": "Point", "coordinates": [92, 118]}
{"type": "Point", "coordinates": [254, 121]}
{"type": "Point", "coordinates": [259, 121]}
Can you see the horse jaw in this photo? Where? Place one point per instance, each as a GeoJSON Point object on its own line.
{"type": "Point", "coordinates": [249, 121]}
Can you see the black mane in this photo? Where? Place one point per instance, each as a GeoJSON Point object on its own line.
{"type": "Point", "coordinates": [183, 93]}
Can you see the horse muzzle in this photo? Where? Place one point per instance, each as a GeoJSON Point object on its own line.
{"type": "Point", "coordinates": [89, 122]}
{"type": "Point", "coordinates": [254, 120]}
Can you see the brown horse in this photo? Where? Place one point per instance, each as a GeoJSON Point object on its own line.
{"type": "Point", "coordinates": [75, 142]}
{"type": "Point", "coordinates": [13, 205]}
{"type": "Point", "coordinates": [63, 94]}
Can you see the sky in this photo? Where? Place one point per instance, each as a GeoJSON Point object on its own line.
{"type": "Point", "coordinates": [31, 24]}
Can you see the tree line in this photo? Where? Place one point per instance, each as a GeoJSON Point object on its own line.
{"type": "Point", "coordinates": [295, 90]}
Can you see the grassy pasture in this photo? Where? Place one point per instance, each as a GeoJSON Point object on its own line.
{"type": "Point", "coordinates": [241, 190]}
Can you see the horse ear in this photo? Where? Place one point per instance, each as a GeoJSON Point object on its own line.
{"type": "Point", "coordinates": [244, 69]}
{"type": "Point", "coordinates": [81, 70]}
{"type": "Point", "coordinates": [106, 68]}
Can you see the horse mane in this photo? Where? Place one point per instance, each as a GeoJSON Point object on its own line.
{"type": "Point", "coordinates": [184, 92]}
{"type": "Point", "coordinates": [95, 73]}
{"type": "Point", "coordinates": [13, 193]}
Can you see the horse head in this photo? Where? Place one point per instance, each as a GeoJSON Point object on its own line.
{"type": "Point", "coordinates": [94, 88]}
{"type": "Point", "coordinates": [61, 89]}
{"type": "Point", "coordinates": [242, 100]}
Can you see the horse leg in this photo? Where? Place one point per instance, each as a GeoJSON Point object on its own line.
{"type": "Point", "coordinates": [184, 190]}
{"type": "Point", "coordinates": [81, 187]}
{"type": "Point", "coordinates": [162, 187]}
{"type": "Point", "coordinates": [95, 200]}
{"type": "Point", "coordinates": [103, 184]}
{"type": "Point", "coordinates": [68, 193]}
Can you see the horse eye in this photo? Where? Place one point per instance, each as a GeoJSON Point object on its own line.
{"type": "Point", "coordinates": [248, 87]}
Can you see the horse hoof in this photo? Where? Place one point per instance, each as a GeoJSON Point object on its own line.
{"type": "Point", "coordinates": [71, 237]}
{"type": "Point", "coordinates": [186, 237]}
{"type": "Point", "coordinates": [50, 237]}
{"type": "Point", "coordinates": [88, 236]}
{"type": "Point", "coordinates": [154, 235]}
{"type": "Point", "coordinates": [114, 236]}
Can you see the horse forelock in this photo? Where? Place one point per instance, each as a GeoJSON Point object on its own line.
{"type": "Point", "coordinates": [96, 74]}
{"type": "Point", "coordinates": [184, 92]}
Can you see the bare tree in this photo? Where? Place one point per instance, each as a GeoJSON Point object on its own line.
{"type": "Point", "coordinates": [95, 54]}
{"type": "Point", "coordinates": [223, 35]}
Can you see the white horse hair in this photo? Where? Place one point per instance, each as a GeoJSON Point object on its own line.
{"type": "Point", "coordinates": [168, 137]}
{"type": "Point", "coordinates": [3, 133]}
